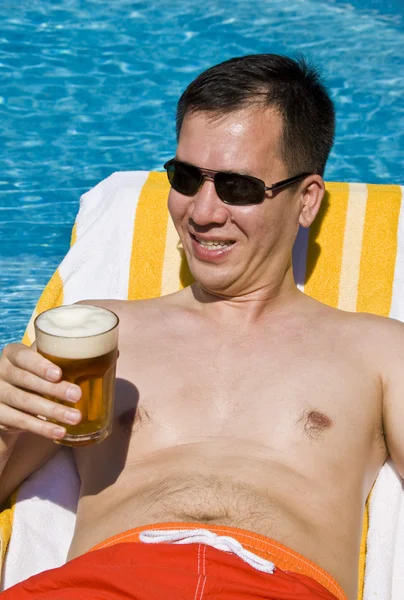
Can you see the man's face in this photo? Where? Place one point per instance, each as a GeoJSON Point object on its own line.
{"type": "Point", "coordinates": [262, 235]}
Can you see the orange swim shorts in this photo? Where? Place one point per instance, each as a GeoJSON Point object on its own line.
{"type": "Point", "coordinates": [120, 569]}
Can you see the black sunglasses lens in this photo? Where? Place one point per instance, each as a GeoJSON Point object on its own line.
{"type": "Point", "coordinates": [239, 189]}
{"type": "Point", "coordinates": [184, 178]}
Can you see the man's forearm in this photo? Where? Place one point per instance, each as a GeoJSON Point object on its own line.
{"type": "Point", "coordinates": [7, 444]}
{"type": "Point", "coordinates": [24, 453]}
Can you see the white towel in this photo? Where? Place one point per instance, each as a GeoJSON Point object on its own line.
{"type": "Point", "coordinates": [44, 520]}
{"type": "Point", "coordinates": [97, 266]}
{"type": "Point", "coordinates": [385, 556]}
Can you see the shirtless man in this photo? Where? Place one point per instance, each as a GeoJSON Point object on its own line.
{"type": "Point", "coordinates": [241, 402]}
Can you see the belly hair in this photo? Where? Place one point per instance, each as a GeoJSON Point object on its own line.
{"type": "Point", "coordinates": [207, 499]}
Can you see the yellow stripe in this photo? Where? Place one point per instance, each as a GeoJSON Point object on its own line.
{"type": "Point", "coordinates": [29, 335]}
{"type": "Point", "coordinates": [74, 235]}
{"type": "Point", "coordinates": [362, 552]}
{"type": "Point", "coordinates": [379, 249]}
{"type": "Point", "coordinates": [149, 239]}
{"type": "Point", "coordinates": [324, 252]}
{"type": "Point", "coordinates": [351, 254]}
{"type": "Point", "coordinates": [185, 274]}
{"type": "Point", "coordinates": [6, 526]}
{"type": "Point", "coordinates": [51, 297]}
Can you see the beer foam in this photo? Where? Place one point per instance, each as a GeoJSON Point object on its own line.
{"type": "Point", "coordinates": [76, 331]}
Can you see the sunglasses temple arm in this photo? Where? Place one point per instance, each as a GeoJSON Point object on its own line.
{"type": "Point", "coordinates": [289, 181]}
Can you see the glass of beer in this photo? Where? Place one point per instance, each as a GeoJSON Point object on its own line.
{"type": "Point", "coordinates": [83, 341]}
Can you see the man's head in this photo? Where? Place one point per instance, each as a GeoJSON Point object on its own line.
{"type": "Point", "coordinates": [257, 116]}
{"type": "Point", "coordinates": [292, 88]}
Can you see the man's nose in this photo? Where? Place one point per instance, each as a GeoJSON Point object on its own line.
{"type": "Point", "coordinates": [206, 207]}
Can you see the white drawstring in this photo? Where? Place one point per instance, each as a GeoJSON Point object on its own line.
{"type": "Point", "coordinates": [204, 536]}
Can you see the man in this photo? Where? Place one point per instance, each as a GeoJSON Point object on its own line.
{"type": "Point", "coordinates": [252, 420]}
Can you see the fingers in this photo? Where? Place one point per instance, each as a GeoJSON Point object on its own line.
{"type": "Point", "coordinates": [21, 356]}
{"type": "Point", "coordinates": [13, 420]}
{"type": "Point", "coordinates": [25, 368]}
{"type": "Point", "coordinates": [28, 381]}
{"type": "Point", "coordinates": [25, 378]}
{"type": "Point", "coordinates": [22, 410]}
{"type": "Point", "coordinates": [37, 405]}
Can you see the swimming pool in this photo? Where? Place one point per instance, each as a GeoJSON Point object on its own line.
{"type": "Point", "coordinates": [89, 87]}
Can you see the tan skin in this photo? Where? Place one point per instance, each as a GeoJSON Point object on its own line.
{"type": "Point", "coordinates": [239, 401]}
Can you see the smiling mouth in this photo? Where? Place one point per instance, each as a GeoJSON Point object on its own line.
{"type": "Point", "coordinates": [213, 244]}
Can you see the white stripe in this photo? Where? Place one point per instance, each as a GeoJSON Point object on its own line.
{"type": "Point", "coordinates": [172, 261]}
{"type": "Point", "coordinates": [352, 248]}
{"type": "Point", "coordinates": [397, 303]}
{"type": "Point", "coordinates": [98, 264]}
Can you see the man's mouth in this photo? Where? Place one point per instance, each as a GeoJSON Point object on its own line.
{"type": "Point", "coordinates": [213, 244]}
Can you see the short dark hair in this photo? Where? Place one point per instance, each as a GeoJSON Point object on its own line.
{"type": "Point", "coordinates": [293, 87]}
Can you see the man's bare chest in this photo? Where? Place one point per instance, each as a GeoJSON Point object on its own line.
{"type": "Point", "coordinates": [282, 392]}
{"type": "Point", "coordinates": [208, 410]}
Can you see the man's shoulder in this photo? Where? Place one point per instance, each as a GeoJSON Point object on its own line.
{"type": "Point", "coordinates": [134, 310]}
{"type": "Point", "coordinates": [381, 338]}
{"type": "Point", "coordinates": [368, 322]}
{"type": "Point", "coordinates": [365, 330]}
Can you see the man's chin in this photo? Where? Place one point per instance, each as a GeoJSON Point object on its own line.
{"type": "Point", "coordinates": [216, 287]}
{"type": "Point", "coordinates": [215, 279]}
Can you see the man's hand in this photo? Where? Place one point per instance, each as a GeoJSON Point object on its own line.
{"type": "Point", "coordinates": [25, 378]}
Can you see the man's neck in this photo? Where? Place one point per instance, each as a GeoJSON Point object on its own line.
{"type": "Point", "coordinates": [255, 306]}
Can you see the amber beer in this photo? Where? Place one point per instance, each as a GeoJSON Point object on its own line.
{"type": "Point", "coordinates": [82, 340]}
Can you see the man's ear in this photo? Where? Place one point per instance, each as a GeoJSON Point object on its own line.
{"type": "Point", "coordinates": [312, 195]}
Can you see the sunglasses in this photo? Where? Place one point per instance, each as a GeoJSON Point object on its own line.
{"type": "Point", "coordinates": [232, 188]}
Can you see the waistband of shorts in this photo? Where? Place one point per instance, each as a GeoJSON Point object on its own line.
{"type": "Point", "coordinates": [282, 556]}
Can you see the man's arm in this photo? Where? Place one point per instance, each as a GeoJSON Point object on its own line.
{"type": "Point", "coordinates": [25, 382]}
{"type": "Point", "coordinates": [392, 352]}
{"type": "Point", "coordinates": [27, 453]}
{"type": "Point", "coordinates": [7, 443]}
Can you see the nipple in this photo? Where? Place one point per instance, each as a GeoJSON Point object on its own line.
{"type": "Point", "coordinates": [315, 423]}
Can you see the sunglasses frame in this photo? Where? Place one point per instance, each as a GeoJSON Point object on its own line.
{"type": "Point", "coordinates": [210, 174]}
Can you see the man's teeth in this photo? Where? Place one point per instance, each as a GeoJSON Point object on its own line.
{"type": "Point", "coordinates": [210, 244]}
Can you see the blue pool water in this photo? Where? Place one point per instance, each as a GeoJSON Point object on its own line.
{"type": "Point", "coordinates": [89, 87]}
